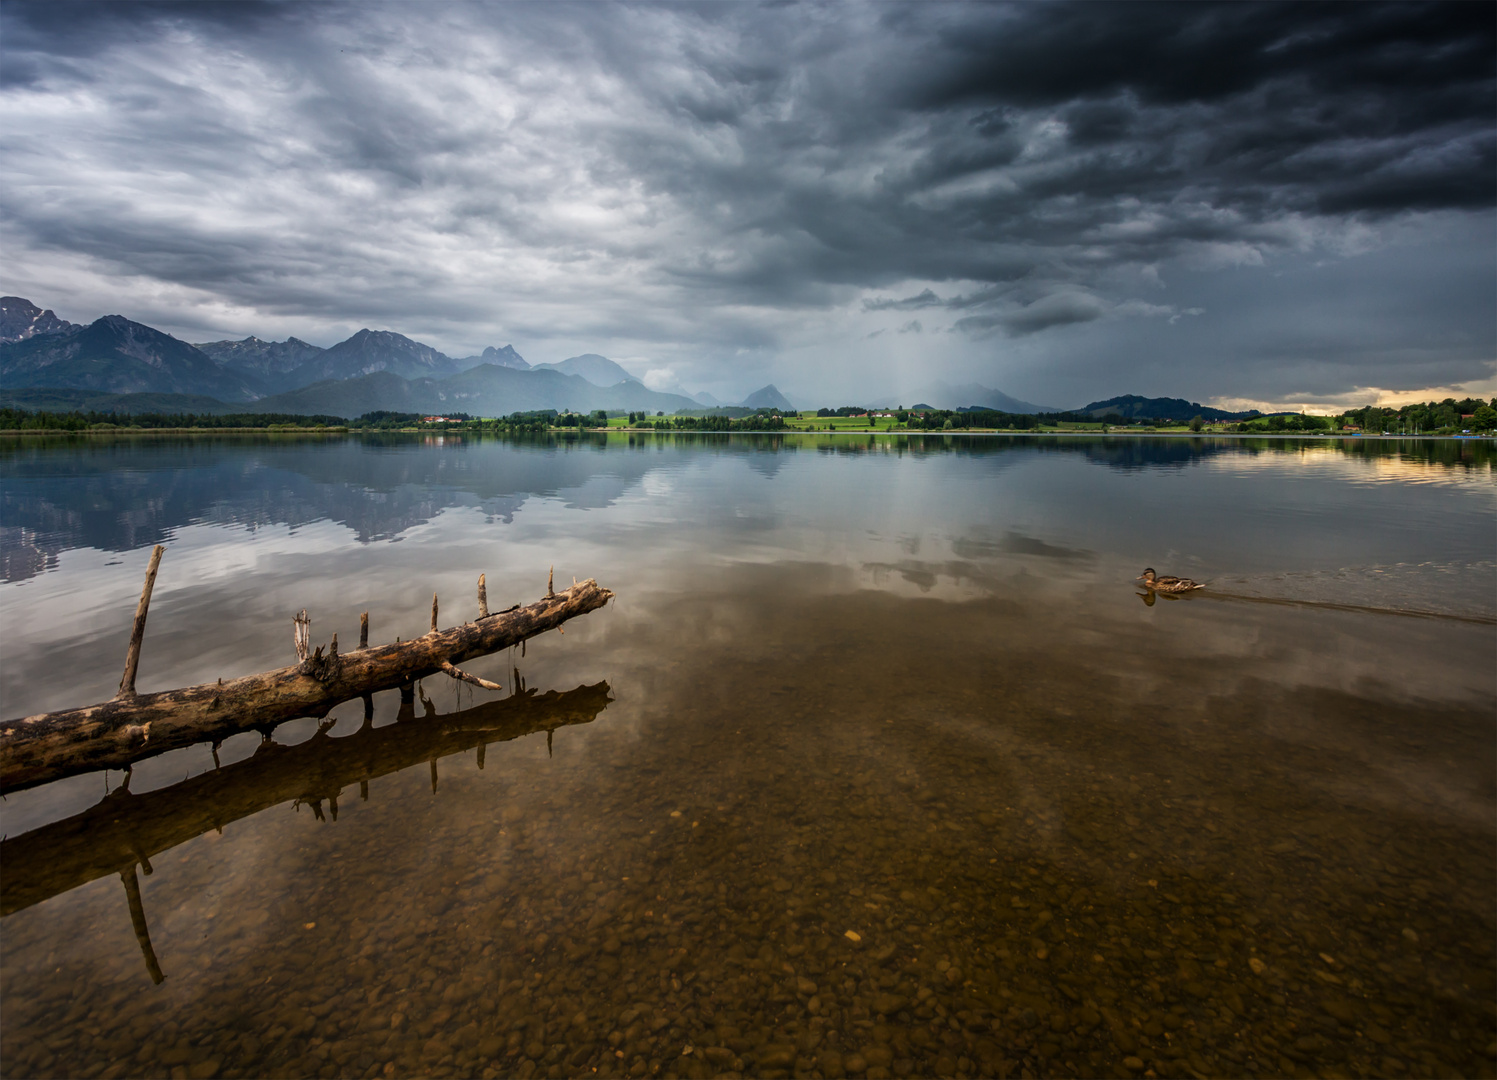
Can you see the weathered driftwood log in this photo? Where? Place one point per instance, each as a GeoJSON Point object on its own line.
{"type": "Point", "coordinates": [113, 734]}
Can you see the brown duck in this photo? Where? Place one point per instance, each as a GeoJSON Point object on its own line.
{"type": "Point", "coordinates": [1168, 584]}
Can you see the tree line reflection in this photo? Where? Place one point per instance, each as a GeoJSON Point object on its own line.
{"type": "Point", "coordinates": [120, 494]}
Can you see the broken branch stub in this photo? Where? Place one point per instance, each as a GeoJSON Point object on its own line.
{"type": "Point", "coordinates": [49, 746]}
{"type": "Point", "coordinates": [138, 630]}
{"type": "Point", "coordinates": [301, 634]}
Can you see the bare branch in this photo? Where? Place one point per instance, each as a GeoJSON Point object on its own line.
{"type": "Point", "coordinates": [462, 676]}
{"type": "Point", "coordinates": [138, 631]}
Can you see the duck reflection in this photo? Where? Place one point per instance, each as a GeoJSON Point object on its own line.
{"type": "Point", "coordinates": [123, 830]}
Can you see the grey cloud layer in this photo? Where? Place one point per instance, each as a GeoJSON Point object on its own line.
{"type": "Point", "coordinates": [712, 186]}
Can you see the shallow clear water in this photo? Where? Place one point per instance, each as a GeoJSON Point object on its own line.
{"type": "Point", "coordinates": [880, 763]}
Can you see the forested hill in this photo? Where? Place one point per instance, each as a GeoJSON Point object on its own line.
{"type": "Point", "coordinates": [1134, 407]}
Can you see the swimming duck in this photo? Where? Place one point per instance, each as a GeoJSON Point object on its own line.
{"type": "Point", "coordinates": [1168, 584]}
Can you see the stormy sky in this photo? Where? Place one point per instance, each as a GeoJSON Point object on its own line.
{"type": "Point", "coordinates": [1285, 204]}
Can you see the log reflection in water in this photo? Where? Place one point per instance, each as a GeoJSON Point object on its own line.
{"type": "Point", "coordinates": [124, 830]}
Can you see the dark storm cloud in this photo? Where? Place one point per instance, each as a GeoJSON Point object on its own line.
{"type": "Point", "coordinates": [1057, 309]}
{"type": "Point", "coordinates": [1003, 313]}
{"type": "Point", "coordinates": [704, 184]}
{"type": "Point", "coordinates": [1057, 53]}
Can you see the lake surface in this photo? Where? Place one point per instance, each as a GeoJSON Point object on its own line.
{"type": "Point", "coordinates": [880, 764]}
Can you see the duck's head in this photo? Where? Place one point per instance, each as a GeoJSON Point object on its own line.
{"type": "Point", "coordinates": [1148, 574]}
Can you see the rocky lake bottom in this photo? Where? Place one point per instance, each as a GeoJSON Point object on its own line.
{"type": "Point", "coordinates": [962, 853]}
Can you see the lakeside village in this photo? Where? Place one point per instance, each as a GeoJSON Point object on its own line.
{"type": "Point", "coordinates": [1472, 417]}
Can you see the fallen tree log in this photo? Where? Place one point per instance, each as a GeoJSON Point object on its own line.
{"type": "Point", "coordinates": [129, 727]}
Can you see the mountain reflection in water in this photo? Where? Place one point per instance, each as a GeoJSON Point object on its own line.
{"type": "Point", "coordinates": [125, 493]}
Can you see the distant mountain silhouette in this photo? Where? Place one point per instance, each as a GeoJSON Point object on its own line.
{"type": "Point", "coordinates": [486, 390]}
{"type": "Point", "coordinates": [977, 394]}
{"type": "Point", "coordinates": [505, 357]}
{"type": "Point", "coordinates": [962, 395]}
{"type": "Point", "coordinates": [118, 356]}
{"type": "Point", "coordinates": [270, 364]}
{"type": "Point", "coordinates": [21, 319]}
{"type": "Point", "coordinates": [370, 351]}
{"type": "Point", "coordinates": [1132, 407]}
{"type": "Point", "coordinates": [768, 397]}
{"type": "Point", "coordinates": [701, 397]}
{"type": "Point", "coordinates": [598, 370]}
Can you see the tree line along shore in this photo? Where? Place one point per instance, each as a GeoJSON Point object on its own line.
{"type": "Point", "coordinates": [1449, 417]}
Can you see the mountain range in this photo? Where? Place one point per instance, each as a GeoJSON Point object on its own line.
{"type": "Point", "coordinates": [118, 356]}
{"type": "Point", "coordinates": [486, 390]}
{"type": "Point", "coordinates": [46, 361]}
{"type": "Point", "coordinates": [116, 365]}
{"type": "Point", "coordinates": [267, 363]}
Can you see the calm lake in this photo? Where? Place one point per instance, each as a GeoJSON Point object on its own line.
{"type": "Point", "coordinates": [880, 764]}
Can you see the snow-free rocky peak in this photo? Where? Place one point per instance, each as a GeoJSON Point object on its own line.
{"type": "Point", "coordinates": [21, 319]}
